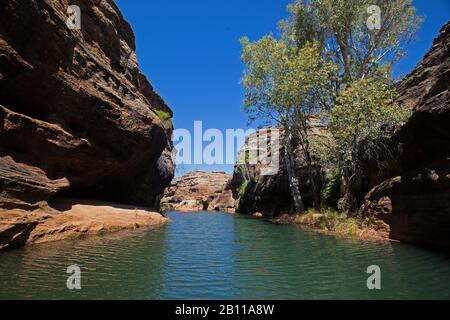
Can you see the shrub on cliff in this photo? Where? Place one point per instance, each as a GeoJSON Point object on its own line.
{"type": "Point", "coordinates": [165, 118]}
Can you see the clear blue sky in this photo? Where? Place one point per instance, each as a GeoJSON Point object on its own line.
{"type": "Point", "coordinates": [190, 52]}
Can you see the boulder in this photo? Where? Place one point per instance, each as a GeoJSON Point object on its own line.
{"type": "Point", "coordinates": [223, 202]}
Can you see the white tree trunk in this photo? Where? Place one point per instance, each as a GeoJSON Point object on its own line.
{"type": "Point", "coordinates": [293, 181]}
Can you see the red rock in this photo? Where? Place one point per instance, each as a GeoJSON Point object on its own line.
{"type": "Point", "coordinates": [22, 185]}
{"type": "Point", "coordinates": [415, 203]}
{"type": "Point", "coordinates": [223, 202]}
{"type": "Point", "coordinates": [271, 195]}
{"type": "Point", "coordinates": [76, 114]}
{"type": "Point", "coordinates": [194, 191]}
{"type": "Point", "coordinates": [73, 219]}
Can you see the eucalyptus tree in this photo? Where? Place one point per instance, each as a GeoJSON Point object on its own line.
{"type": "Point", "coordinates": [357, 35]}
{"type": "Point", "coordinates": [281, 84]}
{"type": "Point", "coordinates": [363, 39]}
{"type": "Point", "coordinates": [331, 53]}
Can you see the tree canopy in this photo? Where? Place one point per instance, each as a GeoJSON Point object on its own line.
{"type": "Point", "coordinates": [333, 59]}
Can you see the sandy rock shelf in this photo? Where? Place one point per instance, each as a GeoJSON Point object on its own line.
{"type": "Point", "coordinates": [71, 219]}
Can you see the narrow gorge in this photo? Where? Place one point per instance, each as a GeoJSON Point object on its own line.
{"type": "Point", "coordinates": [321, 174]}
{"type": "Point", "coordinates": [408, 199]}
{"type": "Point", "coordinates": [77, 120]}
{"type": "Point", "coordinates": [81, 126]}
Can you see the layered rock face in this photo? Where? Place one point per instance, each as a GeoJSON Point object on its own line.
{"type": "Point", "coordinates": [71, 219]}
{"type": "Point", "coordinates": [195, 191]}
{"type": "Point", "coordinates": [77, 117]}
{"type": "Point", "coordinates": [414, 200]}
{"type": "Point", "coordinates": [270, 195]}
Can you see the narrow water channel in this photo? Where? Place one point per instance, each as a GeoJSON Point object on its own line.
{"type": "Point", "coordinates": [221, 256]}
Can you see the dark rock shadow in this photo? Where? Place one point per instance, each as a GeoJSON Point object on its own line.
{"type": "Point", "coordinates": [16, 236]}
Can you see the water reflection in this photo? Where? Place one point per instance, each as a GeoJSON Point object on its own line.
{"type": "Point", "coordinates": [220, 256]}
{"type": "Point", "coordinates": [119, 266]}
{"type": "Point", "coordinates": [199, 256]}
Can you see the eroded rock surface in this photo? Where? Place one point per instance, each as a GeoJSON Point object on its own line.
{"type": "Point", "coordinates": [76, 114]}
{"type": "Point", "coordinates": [414, 201]}
{"type": "Point", "coordinates": [270, 194]}
{"type": "Point", "coordinates": [224, 202]}
{"type": "Point", "coordinates": [70, 219]}
{"type": "Point", "coordinates": [195, 191]}
{"type": "Point", "coordinates": [77, 119]}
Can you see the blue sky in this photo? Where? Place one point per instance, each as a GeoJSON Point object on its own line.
{"type": "Point", "coordinates": [191, 54]}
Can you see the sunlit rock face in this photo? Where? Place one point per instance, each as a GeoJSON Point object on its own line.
{"type": "Point", "coordinates": [76, 115]}
{"type": "Point", "coordinates": [414, 200]}
{"type": "Point", "coordinates": [255, 191]}
{"type": "Point", "coordinates": [194, 191]}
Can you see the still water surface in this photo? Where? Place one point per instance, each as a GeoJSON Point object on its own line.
{"type": "Point", "coordinates": [221, 256]}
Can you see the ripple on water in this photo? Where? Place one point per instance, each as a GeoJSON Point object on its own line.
{"type": "Point", "coordinates": [220, 256]}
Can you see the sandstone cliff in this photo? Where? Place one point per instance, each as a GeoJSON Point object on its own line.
{"type": "Point", "coordinates": [414, 198]}
{"type": "Point", "coordinates": [76, 114]}
{"type": "Point", "coordinates": [270, 195]}
{"type": "Point", "coordinates": [195, 191]}
{"type": "Point", "coordinates": [77, 117]}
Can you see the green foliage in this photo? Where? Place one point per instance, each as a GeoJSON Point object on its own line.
{"type": "Point", "coordinates": [242, 195]}
{"type": "Point", "coordinates": [326, 219]}
{"type": "Point", "coordinates": [243, 189]}
{"type": "Point", "coordinates": [339, 223]}
{"type": "Point", "coordinates": [365, 113]}
{"type": "Point", "coordinates": [340, 29]}
{"type": "Point", "coordinates": [281, 83]}
{"type": "Point", "coordinates": [243, 169]}
{"type": "Point", "coordinates": [332, 190]}
{"type": "Point", "coordinates": [329, 63]}
{"type": "Point", "coordinates": [165, 118]}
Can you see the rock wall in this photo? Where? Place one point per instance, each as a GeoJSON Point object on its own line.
{"type": "Point", "coordinates": [270, 195]}
{"type": "Point", "coordinates": [77, 117]}
{"type": "Point", "coordinates": [195, 191]}
{"type": "Point", "coordinates": [414, 198]}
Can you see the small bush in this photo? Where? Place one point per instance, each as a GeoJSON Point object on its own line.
{"type": "Point", "coordinates": [332, 191]}
{"type": "Point", "coordinates": [165, 118]}
{"type": "Point", "coordinates": [334, 221]}
{"type": "Point", "coordinates": [243, 189]}
{"type": "Point", "coordinates": [242, 194]}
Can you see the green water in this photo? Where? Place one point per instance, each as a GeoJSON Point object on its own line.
{"type": "Point", "coordinates": [220, 256]}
